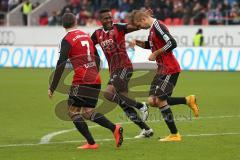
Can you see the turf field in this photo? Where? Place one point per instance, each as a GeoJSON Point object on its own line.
{"type": "Point", "coordinates": [27, 115]}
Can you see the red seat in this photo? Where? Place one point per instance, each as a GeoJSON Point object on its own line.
{"type": "Point", "coordinates": [177, 21]}
{"type": "Point", "coordinates": [205, 21]}
{"type": "Point", "coordinates": [168, 21]}
{"type": "Point", "coordinates": [99, 23]}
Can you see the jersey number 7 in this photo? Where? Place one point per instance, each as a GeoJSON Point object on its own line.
{"type": "Point", "coordinates": [86, 44]}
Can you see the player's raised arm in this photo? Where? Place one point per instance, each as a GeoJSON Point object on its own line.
{"type": "Point", "coordinates": [65, 48]}
{"type": "Point", "coordinates": [142, 44]}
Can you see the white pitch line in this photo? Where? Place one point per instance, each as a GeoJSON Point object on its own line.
{"type": "Point", "coordinates": [111, 139]}
{"type": "Point", "coordinates": [47, 138]}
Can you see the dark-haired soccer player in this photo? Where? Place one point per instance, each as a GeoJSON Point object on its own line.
{"type": "Point", "coordinates": [162, 43]}
{"type": "Point", "coordinates": [111, 38]}
{"type": "Point", "coordinates": [78, 47]}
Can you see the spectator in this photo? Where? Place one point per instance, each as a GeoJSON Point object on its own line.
{"type": "Point", "coordinates": [53, 20]}
{"type": "Point", "coordinates": [3, 9]}
{"type": "Point", "coordinates": [43, 20]}
{"type": "Point", "coordinates": [12, 4]}
{"type": "Point", "coordinates": [35, 5]}
{"type": "Point", "coordinates": [3, 6]}
{"type": "Point", "coordinates": [83, 16]}
{"type": "Point", "coordinates": [177, 9]}
{"type": "Point", "coordinates": [198, 40]}
{"type": "Point", "coordinates": [75, 5]}
{"type": "Point", "coordinates": [136, 4]}
{"type": "Point", "coordinates": [91, 22]}
{"type": "Point", "coordinates": [125, 7]}
{"type": "Point", "coordinates": [215, 16]}
{"type": "Point", "coordinates": [187, 11]}
{"type": "Point", "coordinates": [26, 10]}
{"type": "Point", "coordinates": [67, 8]}
{"type": "Point", "coordinates": [198, 13]}
{"type": "Point", "coordinates": [235, 14]}
{"type": "Point", "coordinates": [172, 11]}
{"type": "Point", "coordinates": [159, 13]}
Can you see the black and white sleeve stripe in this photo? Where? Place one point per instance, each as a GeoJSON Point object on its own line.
{"type": "Point", "coordinates": [166, 36]}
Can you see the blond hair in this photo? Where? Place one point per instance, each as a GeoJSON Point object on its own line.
{"type": "Point", "coordinates": [137, 15]}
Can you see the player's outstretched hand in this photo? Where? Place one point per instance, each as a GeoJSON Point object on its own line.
{"type": "Point", "coordinates": [152, 57]}
{"type": "Point", "coordinates": [132, 43]}
{"type": "Point", "coordinates": [50, 94]}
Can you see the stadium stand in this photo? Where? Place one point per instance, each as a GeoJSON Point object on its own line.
{"type": "Point", "coordinates": [172, 12]}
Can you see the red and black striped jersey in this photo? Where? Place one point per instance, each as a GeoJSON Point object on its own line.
{"type": "Point", "coordinates": [160, 37]}
{"type": "Point", "coordinates": [113, 45]}
{"type": "Point", "coordinates": [78, 47]}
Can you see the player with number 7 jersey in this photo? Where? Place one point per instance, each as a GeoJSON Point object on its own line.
{"type": "Point", "coordinates": [78, 47]}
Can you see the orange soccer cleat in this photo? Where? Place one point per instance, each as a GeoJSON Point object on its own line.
{"type": "Point", "coordinates": [192, 103]}
{"type": "Point", "coordinates": [118, 134]}
{"type": "Point", "coordinates": [88, 146]}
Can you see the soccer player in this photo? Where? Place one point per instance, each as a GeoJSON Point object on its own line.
{"type": "Point", "coordinates": [111, 38]}
{"type": "Point", "coordinates": [78, 47]}
{"type": "Point", "coordinates": [161, 42]}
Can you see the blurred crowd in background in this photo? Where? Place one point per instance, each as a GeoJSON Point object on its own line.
{"type": "Point", "coordinates": [172, 12]}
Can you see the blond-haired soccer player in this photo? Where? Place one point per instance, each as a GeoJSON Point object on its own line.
{"type": "Point", "coordinates": [161, 43]}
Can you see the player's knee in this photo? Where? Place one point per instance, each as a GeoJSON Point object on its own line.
{"type": "Point", "coordinates": [152, 101]}
{"type": "Point", "coordinates": [87, 113]}
{"type": "Point", "coordinates": [74, 113]}
{"type": "Point", "coordinates": [73, 110]}
{"type": "Point", "coordinates": [161, 102]}
{"type": "Point", "coordinates": [109, 95]}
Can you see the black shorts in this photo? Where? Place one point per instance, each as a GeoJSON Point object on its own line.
{"type": "Point", "coordinates": [120, 78]}
{"type": "Point", "coordinates": [84, 95]}
{"type": "Point", "coordinates": [162, 85]}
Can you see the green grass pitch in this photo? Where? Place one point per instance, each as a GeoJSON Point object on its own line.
{"type": "Point", "coordinates": [26, 115]}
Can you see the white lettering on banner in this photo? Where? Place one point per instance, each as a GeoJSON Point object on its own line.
{"type": "Point", "coordinates": [210, 59]}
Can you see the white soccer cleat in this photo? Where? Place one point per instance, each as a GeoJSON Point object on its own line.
{"type": "Point", "coordinates": [145, 134]}
{"type": "Point", "coordinates": [144, 112]}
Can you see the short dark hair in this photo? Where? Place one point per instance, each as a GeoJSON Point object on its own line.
{"type": "Point", "coordinates": [104, 10]}
{"type": "Point", "coordinates": [68, 20]}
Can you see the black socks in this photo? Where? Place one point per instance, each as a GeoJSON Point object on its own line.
{"type": "Point", "coordinates": [176, 100]}
{"type": "Point", "coordinates": [169, 119]}
{"type": "Point", "coordinates": [83, 129]}
{"type": "Point", "coordinates": [133, 116]}
{"type": "Point", "coordinates": [124, 100]}
{"type": "Point", "coordinates": [103, 121]}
